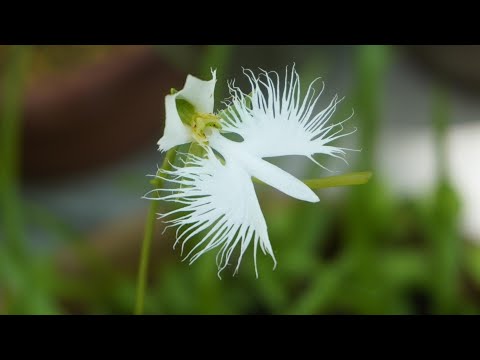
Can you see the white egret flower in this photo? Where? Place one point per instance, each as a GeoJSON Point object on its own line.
{"type": "Point", "coordinates": [217, 194]}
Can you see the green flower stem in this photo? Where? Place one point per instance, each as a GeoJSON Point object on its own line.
{"type": "Point", "coordinates": [356, 178]}
{"type": "Point", "coordinates": [147, 239]}
{"type": "Point", "coordinates": [10, 144]}
{"type": "Point", "coordinates": [440, 119]}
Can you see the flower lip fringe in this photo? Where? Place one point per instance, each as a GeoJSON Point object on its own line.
{"type": "Point", "coordinates": [216, 196]}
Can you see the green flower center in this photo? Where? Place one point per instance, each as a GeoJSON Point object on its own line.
{"type": "Point", "coordinates": [200, 123]}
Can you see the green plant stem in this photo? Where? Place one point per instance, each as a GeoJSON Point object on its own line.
{"type": "Point", "coordinates": [441, 113]}
{"type": "Point", "coordinates": [10, 138]}
{"type": "Point", "coordinates": [15, 266]}
{"type": "Point", "coordinates": [356, 178]}
{"type": "Point", "coordinates": [371, 63]}
{"type": "Point", "coordinates": [147, 240]}
{"type": "Point", "coordinates": [446, 254]}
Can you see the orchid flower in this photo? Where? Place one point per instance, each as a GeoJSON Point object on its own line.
{"type": "Point", "coordinates": [215, 189]}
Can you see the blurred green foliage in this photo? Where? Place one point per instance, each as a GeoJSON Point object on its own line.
{"type": "Point", "coordinates": [367, 252]}
{"type": "Point", "coordinates": [25, 278]}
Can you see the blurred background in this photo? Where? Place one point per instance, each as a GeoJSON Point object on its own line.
{"type": "Point", "coordinates": [78, 133]}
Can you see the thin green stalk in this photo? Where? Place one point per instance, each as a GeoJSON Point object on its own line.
{"type": "Point", "coordinates": [443, 225]}
{"type": "Point", "coordinates": [15, 267]}
{"type": "Point", "coordinates": [441, 113]}
{"type": "Point", "coordinates": [10, 128]}
{"type": "Point", "coordinates": [147, 240]}
{"type": "Point", "coordinates": [356, 178]}
{"type": "Point", "coordinates": [371, 65]}
{"type": "Point", "coordinates": [363, 230]}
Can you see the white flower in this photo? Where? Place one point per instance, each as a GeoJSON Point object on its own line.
{"type": "Point", "coordinates": [218, 196]}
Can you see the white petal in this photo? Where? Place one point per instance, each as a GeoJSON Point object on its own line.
{"type": "Point", "coordinates": [261, 169]}
{"type": "Point", "coordinates": [279, 122]}
{"type": "Point", "coordinates": [200, 94]}
{"type": "Point", "coordinates": [220, 200]}
{"type": "Point", "coordinates": [175, 132]}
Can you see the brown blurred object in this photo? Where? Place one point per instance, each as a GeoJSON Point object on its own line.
{"type": "Point", "coordinates": [110, 253]}
{"type": "Point", "coordinates": [457, 64]}
{"type": "Point", "coordinates": [96, 113]}
{"type": "Point", "coordinates": [117, 243]}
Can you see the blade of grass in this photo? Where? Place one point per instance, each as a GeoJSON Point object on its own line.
{"type": "Point", "coordinates": [10, 127]}
{"type": "Point", "coordinates": [443, 224]}
{"type": "Point", "coordinates": [28, 294]}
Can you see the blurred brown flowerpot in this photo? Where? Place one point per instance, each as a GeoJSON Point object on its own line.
{"type": "Point", "coordinates": [96, 113]}
{"type": "Point", "coordinates": [457, 64]}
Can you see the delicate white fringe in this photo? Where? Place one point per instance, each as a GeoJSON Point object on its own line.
{"type": "Point", "coordinates": [278, 122]}
{"type": "Point", "coordinates": [211, 202]}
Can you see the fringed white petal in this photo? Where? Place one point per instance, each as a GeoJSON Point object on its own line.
{"type": "Point", "coordinates": [278, 122]}
{"type": "Point", "coordinates": [197, 92]}
{"type": "Point", "coordinates": [218, 199]}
